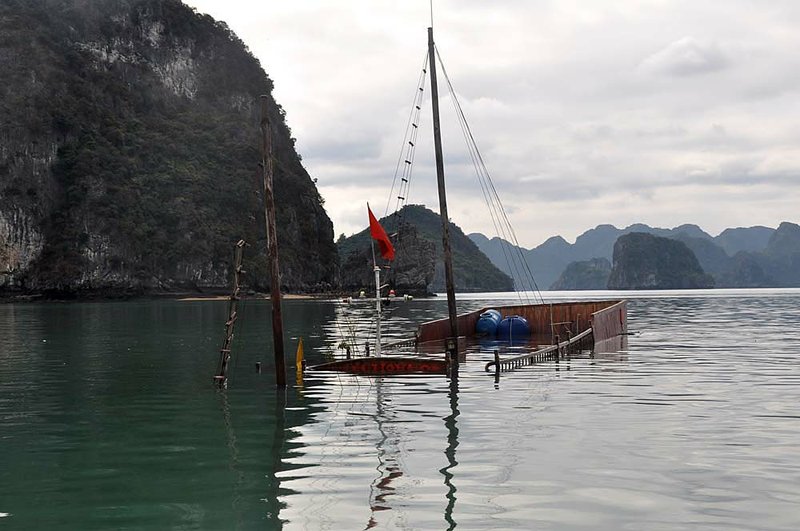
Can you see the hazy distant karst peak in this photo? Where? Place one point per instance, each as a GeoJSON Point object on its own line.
{"type": "Point", "coordinates": [750, 239]}
{"type": "Point", "coordinates": [637, 227]}
{"type": "Point", "coordinates": [692, 230]}
{"type": "Point", "coordinates": [478, 237]}
{"type": "Point", "coordinates": [737, 257]}
{"type": "Point", "coordinates": [584, 275]}
{"type": "Point", "coordinates": [555, 242]}
{"type": "Point", "coordinates": [600, 229]}
{"type": "Point", "coordinates": [785, 240]}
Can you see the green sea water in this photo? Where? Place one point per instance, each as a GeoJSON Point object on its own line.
{"type": "Point", "coordinates": [109, 420]}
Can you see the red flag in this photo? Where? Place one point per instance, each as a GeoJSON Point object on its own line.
{"type": "Point", "coordinates": [378, 234]}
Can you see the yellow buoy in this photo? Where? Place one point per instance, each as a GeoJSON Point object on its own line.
{"type": "Point", "coordinates": [299, 357]}
{"type": "Point", "coordinates": [299, 364]}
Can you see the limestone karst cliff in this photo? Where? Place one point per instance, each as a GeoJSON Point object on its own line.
{"type": "Point", "coordinates": [129, 154]}
{"type": "Point", "coordinates": [584, 275]}
{"type": "Point", "coordinates": [645, 261]}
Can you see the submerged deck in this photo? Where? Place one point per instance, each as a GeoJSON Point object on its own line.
{"type": "Point", "coordinates": [606, 319]}
{"type": "Point", "coordinates": [556, 328]}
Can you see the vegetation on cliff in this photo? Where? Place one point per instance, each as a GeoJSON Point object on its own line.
{"type": "Point", "coordinates": [583, 275]}
{"type": "Point", "coordinates": [419, 251]}
{"type": "Point", "coordinates": [644, 261]}
{"type": "Point", "coordinates": [129, 153]}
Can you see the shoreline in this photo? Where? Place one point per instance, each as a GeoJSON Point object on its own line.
{"type": "Point", "coordinates": [285, 296]}
{"type": "Point", "coordinates": [184, 296]}
{"type": "Point", "coordinates": [18, 297]}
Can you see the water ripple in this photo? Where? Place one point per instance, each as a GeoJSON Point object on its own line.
{"type": "Point", "coordinates": [108, 421]}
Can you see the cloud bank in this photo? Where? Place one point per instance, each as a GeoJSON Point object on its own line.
{"type": "Point", "coordinates": [586, 112]}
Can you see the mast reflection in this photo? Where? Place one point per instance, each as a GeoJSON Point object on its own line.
{"type": "Point", "coordinates": [451, 423]}
{"type": "Point", "coordinates": [388, 464]}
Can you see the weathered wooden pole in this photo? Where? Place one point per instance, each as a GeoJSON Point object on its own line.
{"type": "Point", "coordinates": [221, 378]}
{"type": "Point", "coordinates": [272, 246]}
{"type": "Point", "coordinates": [558, 348]}
{"type": "Point", "coordinates": [437, 144]}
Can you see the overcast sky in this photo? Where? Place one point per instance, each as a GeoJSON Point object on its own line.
{"type": "Point", "coordinates": [586, 112]}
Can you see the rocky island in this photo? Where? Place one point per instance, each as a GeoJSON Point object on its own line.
{"type": "Point", "coordinates": [418, 269]}
{"type": "Point", "coordinates": [645, 261]}
{"type": "Point", "coordinates": [584, 275]}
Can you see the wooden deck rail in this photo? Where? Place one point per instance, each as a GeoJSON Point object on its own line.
{"type": "Point", "coordinates": [548, 353]}
{"type": "Point", "coordinates": [405, 343]}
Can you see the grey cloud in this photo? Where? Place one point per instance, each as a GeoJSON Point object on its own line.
{"type": "Point", "coordinates": [687, 57]}
{"type": "Point", "coordinates": [343, 149]}
{"type": "Point", "coordinates": [605, 108]}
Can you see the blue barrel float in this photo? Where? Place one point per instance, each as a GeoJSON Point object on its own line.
{"type": "Point", "coordinates": [513, 326]}
{"type": "Point", "coordinates": [487, 323]}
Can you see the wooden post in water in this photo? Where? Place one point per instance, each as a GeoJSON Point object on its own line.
{"type": "Point", "coordinates": [272, 246]}
{"type": "Point", "coordinates": [558, 348]}
{"type": "Point", "coordinates": [437, 144]}
{"type": "Point", "coordinates": [221, 378]}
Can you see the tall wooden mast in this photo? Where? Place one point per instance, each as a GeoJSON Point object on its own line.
{"type": "Point", "coordinates": [437, 143]}
{"type": "Point", "coordinates": [272, 245]}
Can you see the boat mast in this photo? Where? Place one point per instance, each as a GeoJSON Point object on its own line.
{"type": "Point", "coordinates": [437, 143]}
{"type": "Point", "coordinates": [377, 271]}
{"type": "Point", "coordinates": [272, 245]}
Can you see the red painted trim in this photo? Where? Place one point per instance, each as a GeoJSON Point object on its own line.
{"type": "Point", "coordinates": [385, 365]}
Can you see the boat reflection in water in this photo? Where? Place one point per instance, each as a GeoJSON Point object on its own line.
{"type": "Point", "coordinates": [451, 422]}
{"type": "Point", "coordinates": [377, 442]}
{"type": "Point", "coordinates": [362, 449]}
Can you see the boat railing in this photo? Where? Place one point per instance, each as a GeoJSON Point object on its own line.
{"type": "Point", "coordinates": [553, 352]}
{"type": "Point", "coordinates": [405, 343]}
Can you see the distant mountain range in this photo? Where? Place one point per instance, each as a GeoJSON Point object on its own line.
{"type": "Point", "coordinates": [738, 257]}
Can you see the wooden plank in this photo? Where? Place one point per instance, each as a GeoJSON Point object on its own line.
{"type": "Point", "coordinates": [610, 322]}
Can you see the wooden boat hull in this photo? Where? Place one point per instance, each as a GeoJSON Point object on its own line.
{"type": "Point", "coordinates": [608, 319]}
{"type": "Point", "coordinates": [385, 365]}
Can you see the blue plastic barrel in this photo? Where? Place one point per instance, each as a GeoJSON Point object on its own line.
{"type": "Point", "coordinates": [513, 326]}
{"type": "Point", "coordinates": [487, 323]}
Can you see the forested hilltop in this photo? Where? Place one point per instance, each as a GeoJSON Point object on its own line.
{"type": "Point", "coordinates": [418, 267]}
{"type": "Point", "coordinates": [129, 154]}
{"type": "Point", "coordinates": [646, 261]}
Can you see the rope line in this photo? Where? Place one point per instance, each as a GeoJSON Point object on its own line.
{"type": "Point", "coordinates": [512, 251]}
{"type": "Point", "coordinates": [405, 160]}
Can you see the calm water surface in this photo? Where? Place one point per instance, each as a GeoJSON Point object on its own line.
{"type": "Point", "coordinates": [108, 420]}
